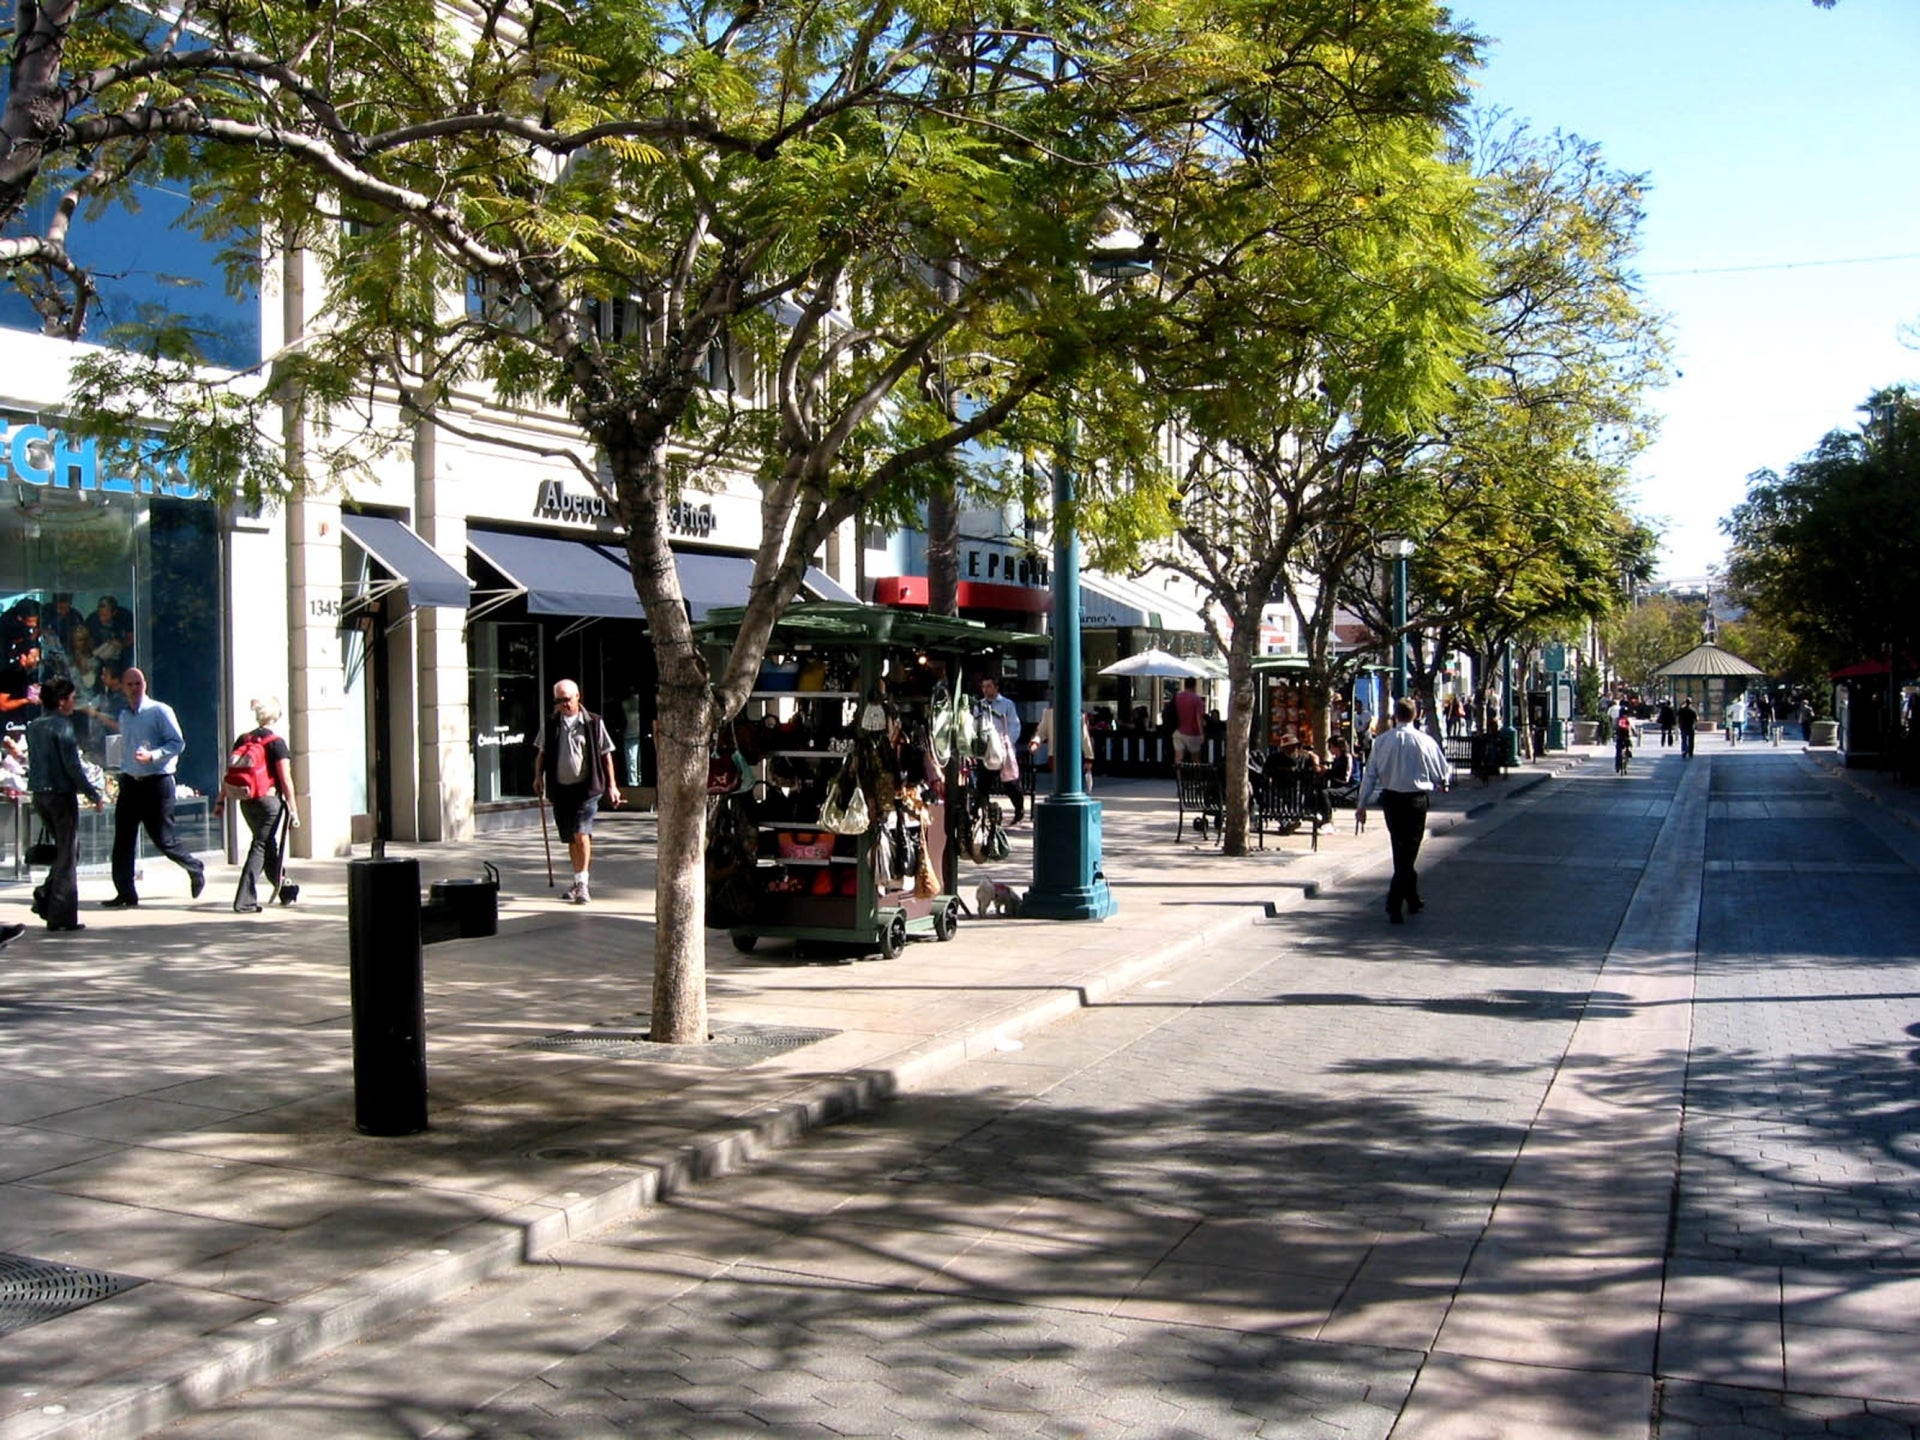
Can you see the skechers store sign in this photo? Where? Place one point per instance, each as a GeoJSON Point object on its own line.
{"type": "Point", "coordinates": [36, 455]}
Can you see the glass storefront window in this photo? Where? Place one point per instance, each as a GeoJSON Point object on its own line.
{"type": "Point", "coordinates": [504, 663]}
{"type": "Point", "coordinates": [92, 582]}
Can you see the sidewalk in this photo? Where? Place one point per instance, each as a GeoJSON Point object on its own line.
{"type": "Point", "coordinates": [177, 1106]}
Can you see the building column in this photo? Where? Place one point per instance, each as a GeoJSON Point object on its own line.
{"type": "Point", "coordinates": [445, 766]}
{"type": "Point", "coordinates": [316, 718]}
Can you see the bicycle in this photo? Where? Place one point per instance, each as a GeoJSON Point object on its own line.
{"type": "Point", "coordinates": [1622, 754]}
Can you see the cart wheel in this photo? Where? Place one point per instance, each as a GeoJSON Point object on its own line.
{"type": "Point", "coordinates": [894, 938]}
{"type": "Point", "coordinates": [744, 943]}
{"type": "Point", "coordinates": [946, 920]}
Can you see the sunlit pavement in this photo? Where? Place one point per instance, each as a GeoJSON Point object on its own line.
{"type": "Point", "coordinates": [1468, 1129]}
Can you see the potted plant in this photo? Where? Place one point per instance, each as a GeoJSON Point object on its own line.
{"type": "Point", "coordinates": [1586, 706]}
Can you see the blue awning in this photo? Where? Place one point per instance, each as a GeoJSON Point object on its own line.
{"type": "Point", "coordinates": [560, 576]}
{"type": "Point", "coordinates": [584, 578]}
{"type": "Point", "coordinates": [429, 579]}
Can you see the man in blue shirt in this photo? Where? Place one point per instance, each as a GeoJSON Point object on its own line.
{"type": "Point", "coordinates": [151, 743]}
{"type": "Point", "coordinates": [1406, 768]}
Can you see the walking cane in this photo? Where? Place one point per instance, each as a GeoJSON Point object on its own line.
{"type": "Point", "coordinates": [546, 839]}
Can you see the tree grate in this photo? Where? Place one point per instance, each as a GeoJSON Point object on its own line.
{"type": "Point", "coordinates": [35, 1290]}
{"type": "Point", "coordinates": [729, 1046]}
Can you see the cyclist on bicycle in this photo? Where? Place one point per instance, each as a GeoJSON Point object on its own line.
{"type": "Point", "coordinates": [1622, 740]}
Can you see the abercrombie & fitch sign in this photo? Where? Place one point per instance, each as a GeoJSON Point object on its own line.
{"type": "Point", "coordinates": [556, 502]}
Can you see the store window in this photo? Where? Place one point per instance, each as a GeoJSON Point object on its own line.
{"type": "Point", "coordinates": [504, 665]}
{"type": "Point", "coordinates": [96, 577]}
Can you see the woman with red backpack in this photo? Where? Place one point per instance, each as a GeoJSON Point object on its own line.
{"type": "Point", "coordinates": [260, 776]}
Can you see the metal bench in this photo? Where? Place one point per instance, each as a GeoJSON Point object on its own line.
{"type": "Point", "coordinates": [1203, 795]}
{"type": "Point", "coordinates": [1286, 797]}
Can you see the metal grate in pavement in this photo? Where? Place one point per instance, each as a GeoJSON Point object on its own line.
{"type": "Point", "coordinates": [35, 1290]}
{"type": "Point", "coordinates": [730, 1046]}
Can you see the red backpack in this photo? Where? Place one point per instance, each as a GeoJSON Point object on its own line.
{"type": "Point", "coordinates": [247, 769]}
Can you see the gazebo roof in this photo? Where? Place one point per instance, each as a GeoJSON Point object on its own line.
{"type": "Point", "coordinates": [1707, 660]}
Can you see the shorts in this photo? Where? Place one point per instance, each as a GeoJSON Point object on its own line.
{"type": "Point", "coordinates": [1189, 747]}
{"type": "Point", "coordinates": [574, 807]}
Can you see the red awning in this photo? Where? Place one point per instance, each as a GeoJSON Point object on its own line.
{"type": "Point", "coordinates": [909, 592]}
{"type": "Point", "coordinates": [1860, 670]}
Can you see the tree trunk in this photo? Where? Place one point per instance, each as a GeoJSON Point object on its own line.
{"type": "Point", "coordinates": [943, 552]}
{"type": "Point", "coordinates": [1246, 639]}
{"type": "Point", "coordinates": [686, 725]}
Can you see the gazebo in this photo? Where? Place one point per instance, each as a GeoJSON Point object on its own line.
{"type": "Point", "coordinates": [1713, 668]}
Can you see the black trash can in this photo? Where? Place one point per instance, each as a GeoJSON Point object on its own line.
{"type": "Point", "coordinates": [473, 905]}
{"type": "Point", "coordinates": [389, 993]}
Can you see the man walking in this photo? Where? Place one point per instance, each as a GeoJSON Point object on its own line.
{"type": "Point", "coordinates": [574, 769]}
{"type": "Point", "coordinates": [151, 743]}
{"type": "Point", "coordinates": [1189, 724]}
{"type": "Point", "coordinates": [1406, 768]}
{"type": "Point", "coordinates": [1688, 719]}
{"type": "Point", "coordinates": [58, 780]}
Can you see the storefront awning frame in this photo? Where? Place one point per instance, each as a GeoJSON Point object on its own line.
{"type": "Point", "coordinates": [412, 565]}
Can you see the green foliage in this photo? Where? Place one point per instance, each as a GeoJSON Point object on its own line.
{"type": "Point", "coordinates": [1649, 634]}
{"type": "Point", "coordinates": [1828, 555]}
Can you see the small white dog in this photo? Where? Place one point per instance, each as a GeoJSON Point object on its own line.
{"type": "Point", "coordinates": [996, 898]}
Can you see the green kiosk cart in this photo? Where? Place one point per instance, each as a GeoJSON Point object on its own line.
{"type": "Point", "coordinates": [838, 676]}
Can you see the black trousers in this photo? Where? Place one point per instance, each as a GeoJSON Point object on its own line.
{"type": "Point", "coordinates": [146, 802]}
{"type": "Point", "coordinates": [1406, 813]}
{"type": "Point", "coordinates": [57, 899]}
{"type": "Point", "coordinates": [263, 854]}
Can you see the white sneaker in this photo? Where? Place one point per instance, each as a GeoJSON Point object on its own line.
{"type": "Point", "coordinates": [576, 894]}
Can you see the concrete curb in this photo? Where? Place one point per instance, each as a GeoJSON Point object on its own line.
{"type": "Point", "coordinates": [255, 1350]}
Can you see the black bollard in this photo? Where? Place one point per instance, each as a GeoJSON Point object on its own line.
{"type": "Point", "coordinates": [389, 997]}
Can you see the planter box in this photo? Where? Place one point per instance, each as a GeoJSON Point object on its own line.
{"type": "Point", "coordinates": [1825, 732]}
{"type": "Point", "coordinates": [1586, 732]}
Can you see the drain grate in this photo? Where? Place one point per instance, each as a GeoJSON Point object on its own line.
{"type": "Point", "coordinates": [35, 1290]}
{"type": "Point", "coordinates": [731, 1047]}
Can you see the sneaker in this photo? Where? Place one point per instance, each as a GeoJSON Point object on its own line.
{"type": "Point", "coordinates": [289, 894]}
{"type": "Point", "coordinates": [196, 882]}
{"type": "Point", "coordinates": [11, 933]}
{"type": "Point", "coordinates": [576, 894]}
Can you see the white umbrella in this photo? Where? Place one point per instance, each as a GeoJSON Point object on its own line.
{"type": "Point", "coordinates": [1160, 664]}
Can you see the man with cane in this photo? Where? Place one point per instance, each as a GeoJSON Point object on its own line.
{"type": "Point", "coordinates": [574, 769]}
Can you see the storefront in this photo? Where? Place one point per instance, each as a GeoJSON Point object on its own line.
{"type": "Point", "coordinates": [106, 565]}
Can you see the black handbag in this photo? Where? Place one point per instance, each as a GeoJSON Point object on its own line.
{"type": "Point", "coordinates": [43, 850]}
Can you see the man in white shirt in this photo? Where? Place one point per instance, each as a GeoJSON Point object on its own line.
{"type": "Point", "coordinates": [1405, 770]}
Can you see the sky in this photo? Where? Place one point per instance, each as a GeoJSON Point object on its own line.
{"type": "Point", "coordinates": [1778, 139]}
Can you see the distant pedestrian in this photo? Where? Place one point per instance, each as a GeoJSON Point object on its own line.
{"type": "Point", "coordinates": [260, 776]}
{"type": "Point", "coordinates": [152, 742]}
{"type": "Point", "coordinates": [1666, 722]}
{"type": "Point", "coordinates": [1002, 712]}
{"type": "Point", "coordinates": [1189, 724]}
{"type": "Point", "coordinates": [1043, 735]}
{"type": "Point", "coordinates": [1736, 719]}
{"type": "Point", "coordinates": [58, 780]}
{"type": "Point", "coordinates": [1406, 768]}
{"type": "Point", "coordinates": [1687, 719]}
{"type": "Point", "coordinates": [573, 769]}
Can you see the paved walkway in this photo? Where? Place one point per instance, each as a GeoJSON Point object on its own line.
{"type": "Point", "coordinates": [1615, 1142]}
{"type": "Point", "coordinates": [176, 1104]}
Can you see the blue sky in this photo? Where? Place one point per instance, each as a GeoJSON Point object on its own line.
{"type": "Point", "coordinates": [1774, 135]}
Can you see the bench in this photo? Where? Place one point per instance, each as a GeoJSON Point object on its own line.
{"type": "Point", "coordinates": [1203, 795]}
{"type": "Point", "coordinates": [1479, 755]}
{"type": "Point", "coordinates": [1286, 797]}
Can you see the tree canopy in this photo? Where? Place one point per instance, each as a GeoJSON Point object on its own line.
{"type": "Point", "coordinates": [1829, 552]}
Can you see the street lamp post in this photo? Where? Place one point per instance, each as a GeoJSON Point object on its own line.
{"type": "Point", "coordinates": [1068, 883]}
{"type": "Point", "coordinates": [1399, 549]}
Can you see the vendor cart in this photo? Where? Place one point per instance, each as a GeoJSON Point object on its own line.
{"type": "Point", "coordinates": [840, 677]}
